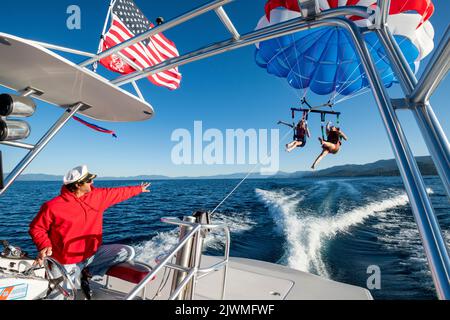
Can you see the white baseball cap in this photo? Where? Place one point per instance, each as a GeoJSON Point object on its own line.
{"type": "Point", "coordinates": [78, 174]}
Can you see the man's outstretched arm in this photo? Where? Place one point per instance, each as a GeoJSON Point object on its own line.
{"type": "Point", "coordinates": [113, 196]}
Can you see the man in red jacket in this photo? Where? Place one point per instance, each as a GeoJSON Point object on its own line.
{"type": "Point", "coordinates": [69, 227]}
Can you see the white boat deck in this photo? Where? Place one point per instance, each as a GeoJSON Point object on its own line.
{"type": "Point", "coordinates": [247, 280]}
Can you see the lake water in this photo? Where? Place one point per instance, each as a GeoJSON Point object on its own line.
{"type": "Point", "coordinates": [335, 228]}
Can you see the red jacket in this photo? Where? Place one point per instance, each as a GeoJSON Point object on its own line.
{"type": "Point", "coordinates": [73, 226]}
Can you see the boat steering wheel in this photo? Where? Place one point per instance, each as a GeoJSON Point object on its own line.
{"type": "Point", "coordinates": [57, 276]}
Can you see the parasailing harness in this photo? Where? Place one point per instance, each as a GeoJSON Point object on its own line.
{"type": "Point", "coordinates": [307, 109]}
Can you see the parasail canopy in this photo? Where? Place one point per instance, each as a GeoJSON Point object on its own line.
{"type": "Point", "coordinates": [324, 59]}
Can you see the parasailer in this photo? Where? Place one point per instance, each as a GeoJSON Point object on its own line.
{"type": "Point", "coordinates": [332, 144]}
{"type": "Point", "coordinates": [331, 135]}
{"type": "Point", "coordinates": [324, 61]}
{"type": "Point", "coordinates": [301, 133]}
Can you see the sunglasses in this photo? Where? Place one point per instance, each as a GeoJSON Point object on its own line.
{"type": "Point", "coordinates": [86, 181]}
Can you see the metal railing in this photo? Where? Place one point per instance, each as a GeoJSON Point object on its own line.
{"type": "Point", "coordinates": [417, 95]}
{"type": "Point", "coordinates": [271, 32]}
{"type": "Point", "coordinates": [161, 28]}
{"type": "Point", "coordinates": [193, 272]}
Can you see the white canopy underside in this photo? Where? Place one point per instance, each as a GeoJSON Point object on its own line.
{"type": "Point", "coordinates": [27, 65]}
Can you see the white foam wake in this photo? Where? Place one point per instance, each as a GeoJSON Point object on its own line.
{"type": "Point", "coordinates": [349, 188]}
{"type": "Point", "coordinates": [159, 245]}
{"type": "Point", "coordinates": [306, 233]}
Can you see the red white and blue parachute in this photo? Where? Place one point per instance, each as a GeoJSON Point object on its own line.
{"type": "Point", "coordinates": [324, 59]}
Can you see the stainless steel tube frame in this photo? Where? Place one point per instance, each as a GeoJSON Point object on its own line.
{"type": "Point", "coordinates": [161, 28]}
{"type": "Point", "coordinates": [435, 71]}
{"type": "Point", "coordinates": [17, 144]}
{"type": "Point", "coordinates": [195, 263]}
{"type": "Point", "coordinates": [184, 260]}
{"type": "Point", "coordinates": [176, 295]}
{"type": "Point", "coordinates": [433, 242]}
{"type": "Point", "coordinates": [40, 145]}
{"type": "Point", "coordinates": [223, 264]}
{"type": "Point", "coordinates": [435, 140]}
{"type": "Point", "coordinates": [203, 271]}
{"type": "Point", "coordinates": [434, 135]}
{"type": "Point", "coordinates": [267, 33]}
{"type": "Point", "coordinates": [63, 49]}
{"type": "Point", "coordinates": [227, 23]}
{"type": "Point", "coordinates": [162, 264]}
{"type": "Point", "coordinates": [384, 7]}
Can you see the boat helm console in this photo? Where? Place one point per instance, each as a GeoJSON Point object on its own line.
{"type": "Point", "coordinates": [12, 252]}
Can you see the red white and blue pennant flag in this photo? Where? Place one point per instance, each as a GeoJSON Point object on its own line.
{"type": "Point", "coordinates": [95, 127]}
{"type": "Point", "coordinates": [127, 22]}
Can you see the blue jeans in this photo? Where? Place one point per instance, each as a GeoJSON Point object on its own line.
{"type": "Point", "coordinates": [105, 257]}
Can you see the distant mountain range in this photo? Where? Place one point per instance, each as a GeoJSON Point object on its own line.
{"type": "Point", "coordinates": [379, 168]}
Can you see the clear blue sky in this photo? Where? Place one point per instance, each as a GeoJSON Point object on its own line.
{"type": "Point", "coordinates": [225, 92]}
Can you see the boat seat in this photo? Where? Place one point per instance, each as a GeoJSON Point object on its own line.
{"type": "Point", "coordinates": [133, 272]}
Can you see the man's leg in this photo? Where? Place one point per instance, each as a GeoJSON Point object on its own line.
{"type": "Point", "coordinates": [105, 257]}
{"type": "Point", "coordinates": [108, 256]}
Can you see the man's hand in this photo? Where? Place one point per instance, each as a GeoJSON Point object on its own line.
{"type": "Point", "coordinates": [145, 187]}
{"type": "Point", "coordinates": [46, 252]}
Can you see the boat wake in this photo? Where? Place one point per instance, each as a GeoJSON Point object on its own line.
{"type": "Point", "coordinates": [306, 233]}
{"type": "Point", "coordinates": [399, 234]}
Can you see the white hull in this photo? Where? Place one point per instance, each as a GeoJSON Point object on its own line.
{"type": "Point", "coordinates": [247, 280]}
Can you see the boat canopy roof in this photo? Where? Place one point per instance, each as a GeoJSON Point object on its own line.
{"type": "Point", "coordinates": [27, 65]}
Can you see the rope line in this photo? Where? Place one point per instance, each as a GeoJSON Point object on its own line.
{"type": "Point", "coordinates": [371, 49]}
{"type": "Point", "coordinates": [361, 91]}
{"type": "Point", "coordinates": [245, 178]}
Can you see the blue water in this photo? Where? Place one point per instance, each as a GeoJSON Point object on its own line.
{"type": "Point", "coordinates": [335, 228]}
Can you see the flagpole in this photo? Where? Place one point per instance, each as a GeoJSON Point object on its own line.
{"type": "Point", "coordinates": [100, 46]}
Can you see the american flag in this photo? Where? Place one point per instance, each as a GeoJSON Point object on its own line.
{"type": "Point", "coordinates": [127, 22]}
